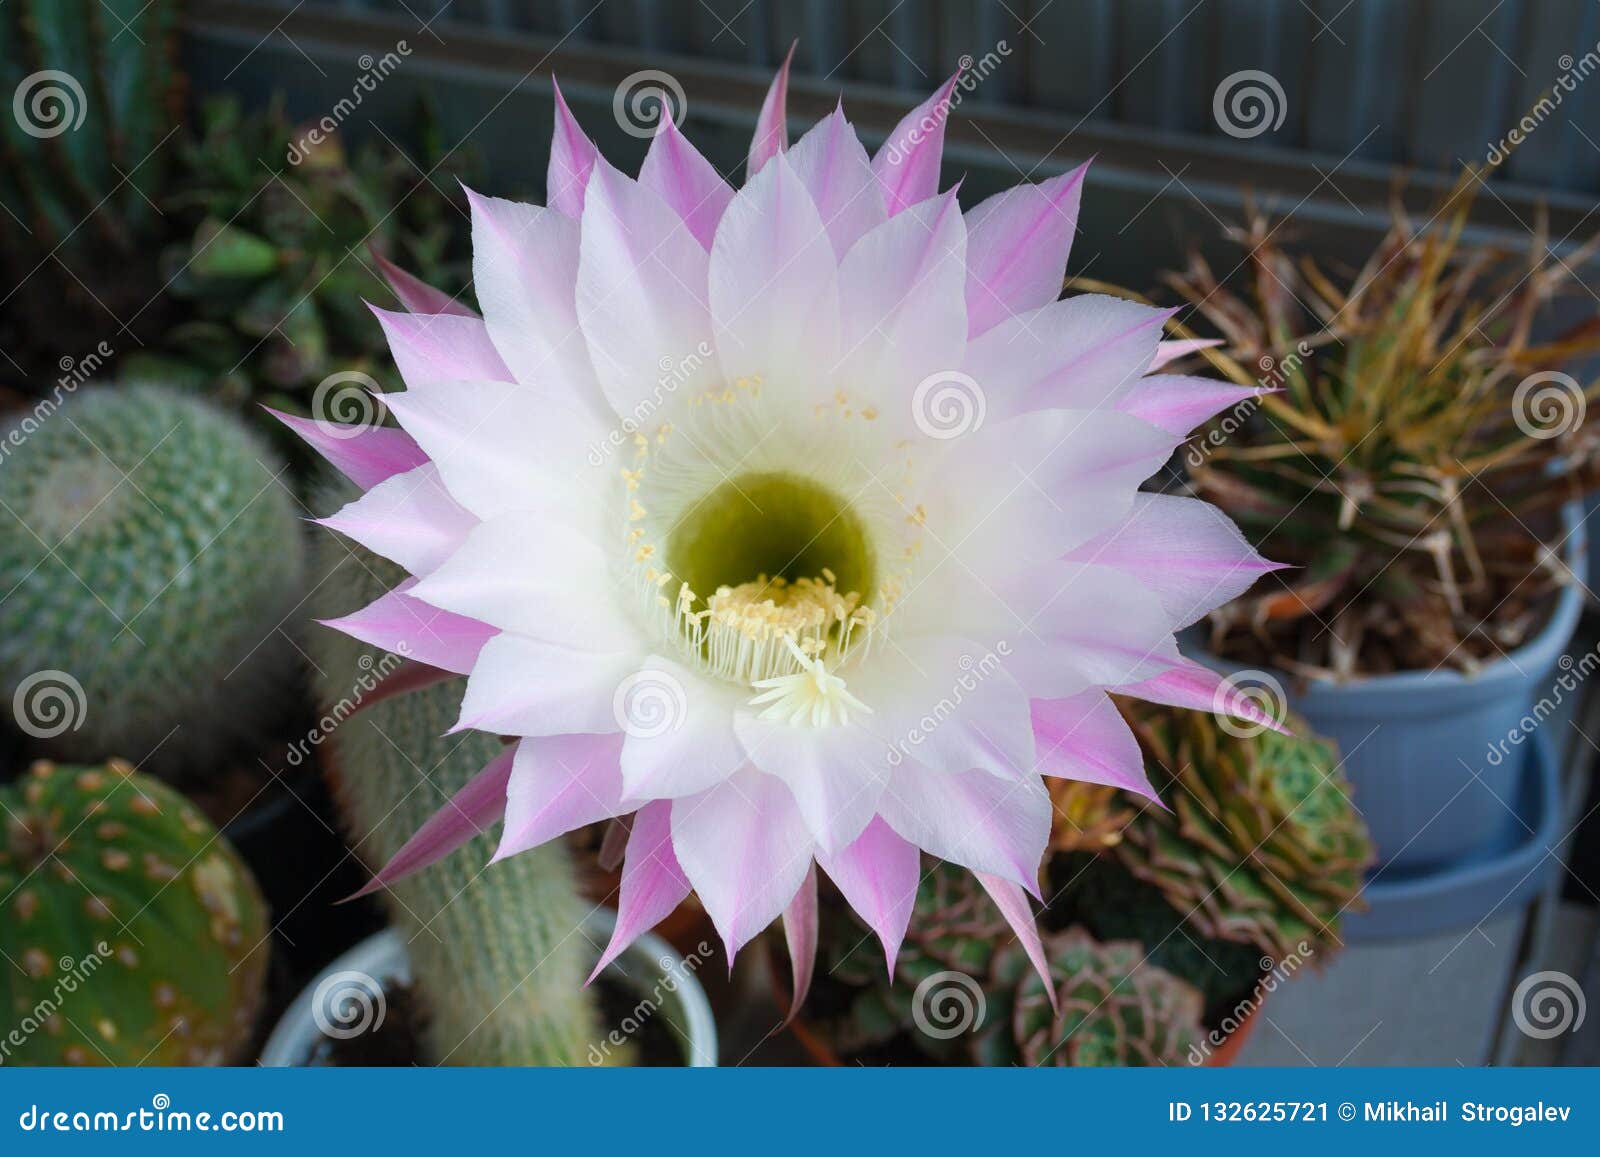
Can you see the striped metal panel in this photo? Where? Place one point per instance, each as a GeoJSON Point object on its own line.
{"type": "Point", "coordinates": [1424, 83]}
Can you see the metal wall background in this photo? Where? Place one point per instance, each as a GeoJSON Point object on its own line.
{"type": "Point", "coordinates": [1424, 83]}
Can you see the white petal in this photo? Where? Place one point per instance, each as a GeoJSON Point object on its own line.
{"type": "Point", "coordinates": [521, 686]}
{"type": "Point", "coordinates": [973, 819]}
{"type": "Point", "coordinates": [834, 168]}
{"type": "Point", "coordinates": [680, 732]}
{"type": "Point", "coordinates": [774, 285]}
{"type": "Point", "coordinates": [409, 518]}
{"type": "Point", "coordinates": [642, 296]}
{"type": "Point", "coordinates": [558, 783]}
{"type": "Point", "coordinates": [835, 773]}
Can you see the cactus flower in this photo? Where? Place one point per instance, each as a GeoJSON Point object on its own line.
{"type": "Point", "coordinates": [791, 525]}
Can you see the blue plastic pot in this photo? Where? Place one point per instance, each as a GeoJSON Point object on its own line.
{"type": "Point", "coordinates": [1495, 880]}
{"type": "Point", "coordinates": [1435, 757]}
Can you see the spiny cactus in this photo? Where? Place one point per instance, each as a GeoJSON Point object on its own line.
{"type": "Point", "coordinates": [137, 936]}
{"type": "Point", "coordinates": [148, 556]}
{"type": "Point", "coordinates": [494, 949]}
{"type": "Point", "coordinates": [1112, 1008]}
{"type": "Point", "coordinates": [96, 92]}
{"type": "Point", "coordinates": [1261, 846]}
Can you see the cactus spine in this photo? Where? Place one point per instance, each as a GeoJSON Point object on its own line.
{"type": "Point", "coordinates": [496, 951]}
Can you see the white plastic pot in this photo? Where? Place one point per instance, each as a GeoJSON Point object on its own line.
{"type": "Point", "coordinates": [650, 967]}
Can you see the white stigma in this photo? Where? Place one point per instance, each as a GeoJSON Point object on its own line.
{"type": "Point", "coordinates": [811, 695]}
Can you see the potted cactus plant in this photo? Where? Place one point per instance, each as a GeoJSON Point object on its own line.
{"type": "Point", "coordinates": [1167, 925]}
{"type": "Point", "coordinates": [496, 955]}
{"type": "Point", "coordinates": [1417, 467]}
{"type": "Point", "coordinates": [138, 936]}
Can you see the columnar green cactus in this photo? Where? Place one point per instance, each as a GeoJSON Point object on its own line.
{"type": "Point", "coordinates": [495, 950]}
{"type": "Point", "coordinates": [95, 89]}
{"type": "Point", "coordinates": [149, 553]}
{"type": "Point", "coordinates": [136, 936]}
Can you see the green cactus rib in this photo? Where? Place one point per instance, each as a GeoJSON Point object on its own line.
{"type": "Point", "coordinates": [149, 552]}
{"type": "Point", "coordinates": [1262, 844]}
{"type": "Point", "coordinates": [137, 934]}
{"type": "Point", "coordinates": [496, 950]}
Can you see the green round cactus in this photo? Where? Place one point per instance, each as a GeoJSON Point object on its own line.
{"type": "Point", "coordinates": [149, 552]}
{"type": "Point", "coordinates": [138, 935]}
{"type": "Point", "coordinates": [1112, 1008]}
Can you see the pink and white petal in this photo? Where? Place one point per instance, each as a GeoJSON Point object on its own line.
{"type": "Point", "coordinates": [572, 157]}
{"type": "Point", "coordinates": [641, 295]}
{"type": "Point", "coordinates": [973, 819]}
{"type": "Point", "coordinates": [1178, 403]}
{"type": "Point", "coordinates": [1172, 350]}
{"type": "Point", "coordinates": [524, 265]}
{"type": "Point", "coordinates": [902, 302]}
{"type": "Point", "coordinates": [1034, 487]}
{"type": "Point", "coordinates": [409, 519]}
{"type": "Point", "coordinates": [417, 295]}
{"type": "Point", "coordinates": [800, 934]}
{"type": "Point", "coordinates": [500, 446]}
{"type": "Point", "coordinates": [365, 455]}
{"type": "Point", "coordinates": [1088, 626]}
{"type": "Point", "coordinates": [522, 686]}
{"type": "Point", "coordinates": [558, 783]}
{"type": "Point", "coordinates": [836, 774]}
{"type": "Point", "coordinates": [1184, 550]}
{"type": "Point", "coordinates": [1199, 688]}
{"type": "Point", "coordinates": [907, 166]}
{"type": "Point", "coordinates": [532, 574]}
{"type": "Point", "coordinates": [441, 347]}
{"type": "Point", "coordinates": [833, 166]}
{"type": "Point", "coordinates": [1018, 242]}
{"type": "Point", "coordinates": [746, 849]}
{"type": "Point", "coordinates": [772, 124]}
{"type": "Point", "coordinates": [653, 884]}
{"type": "Point", "coordinates": [680, 734]}
{"type": "Point", "coordinates": [1013, 906]}
{"type": "Point", "coordinates": [1083, 352]}
{"type": "Point", "coordinates": [470, 812]}
{"type": "Point", "coordinates": [878, 875]}
{"type": "Point", "coordinates": [774, 285]}
{"type": "Point", "coordinates": [1085, 737]}
{"type": "Point", "coordinates": [405, 625]}
{"type": "Point", "coordinates": [675, 171]}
